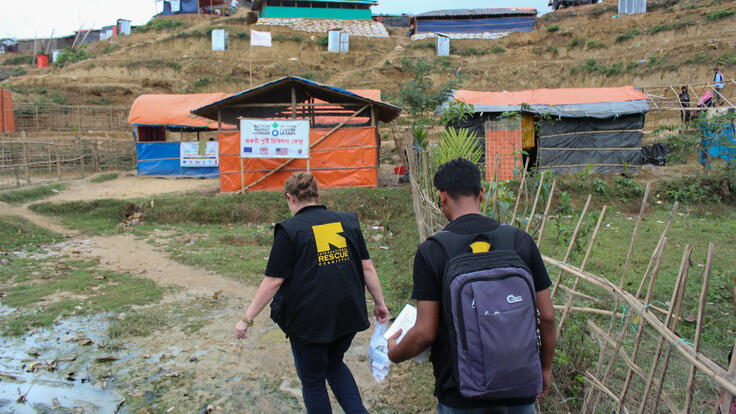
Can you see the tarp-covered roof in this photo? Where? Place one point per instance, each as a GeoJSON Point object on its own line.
{"type": "Point", "coordinates": [173, 110]}
{"type": "Point", "coordinates": [279, 91]}
{"type": "Point", "coordinates": [569, 102]}
{"type": "Point", "coordinates": [479, 12]}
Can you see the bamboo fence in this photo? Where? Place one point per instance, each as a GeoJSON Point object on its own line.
{"type": "Point", "coordinates": [50, 117]}
{"type": "Point", "coordinates": [29, 161]}
{"type": "Point", "coordinates": [643, 365]}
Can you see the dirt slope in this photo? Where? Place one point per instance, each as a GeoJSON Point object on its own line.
{"type": "Point", "coordinates": [677, 42]}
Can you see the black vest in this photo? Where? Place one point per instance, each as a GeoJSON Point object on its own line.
{"type": "Point", "coordinates": [325, 297]}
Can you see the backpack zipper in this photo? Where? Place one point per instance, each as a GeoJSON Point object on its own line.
{"type": "Point", "coordinates": [459, 311]}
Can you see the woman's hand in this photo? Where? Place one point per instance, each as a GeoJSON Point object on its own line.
{"type": "Point", "coordinates": [381, 313]}
{"type": "Point", "coordinates": [241, 329]}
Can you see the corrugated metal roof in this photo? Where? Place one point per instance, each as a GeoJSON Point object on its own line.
{"type": "Point", "coordinates": [479, 12]}
{"type": "Point", "coordinates": [280, 91]}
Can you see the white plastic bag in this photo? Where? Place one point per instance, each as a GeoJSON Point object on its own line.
{"type": "Point", "coordinates": [378, 352]}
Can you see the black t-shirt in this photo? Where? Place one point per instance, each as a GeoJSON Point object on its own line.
{"type": "Point", "coordinates": [319, 253]}
{"type": "Point", "coordinates": [281, 260]}
{"type": "Point", "coordinates": [429, 265]}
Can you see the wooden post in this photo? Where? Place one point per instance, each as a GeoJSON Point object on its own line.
{"type": "Point", "coordinates": [536, 199]}
{"type": "Point", "coordinates": [293, 102]}
{"type": "Point", "coordinates": [661, 238]}
{"type": "Point", "coordinates": [81, 158]}
{"type": "Point", "coordinates": [660, 343]}
{"type": "Point", "coordinates": [572, 243]}
{"type": "Point", "coordinates": [518, 195]}
{"type": "Point", "coordinates": [58, 164]}
{"type": "Point", "coordinates": [699, 326]}
{"type": "Point", "coordinates": [96, 155]}
{"type": "Point", "coordinates": [49, 164]}
{"type": "Point", "coordinates": [26, 162]}
{"type": "Point", "coordinates": [582, 268]}
{"type": "Point", "coordinates": [242, 174]}
{"type": "Point", "coordinates": [546, 211]}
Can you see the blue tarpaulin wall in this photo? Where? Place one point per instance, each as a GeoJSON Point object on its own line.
{"type": "Point", "coordinates": [488, 25]}
{"type": "Point", "coordinates": [722, 145]}
{"type": "Point", "coordinates": [162, 158]}
{"type": "Point", "coordinates": [187, 6]}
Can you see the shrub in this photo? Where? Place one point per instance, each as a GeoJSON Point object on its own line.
{"type": "Point", "coordinates": [242, 35]}
{"type": "Point", "coordinates": [630, 34]}
{"type": "Point", "coordinates": [17, 60]}
{"type": "Point", "coordinates": [497, 49]}
{"type": "Point", "coordinates": [109, 48]}
{"type": "Point", "coordinates": [719, 14]}
{"type": "Point", "coordinates": [58, 98]}
{"type": "Point", "coordinates": [323, 41]}
{"type": "Point", "coordinates": [72, 56]}
{"type": "Point", "coordinates": [577, 41]}
{"type": "Point", "coordinates": [596, 45]}
{"type": "Point", "coordinates": [553, 50]}
{"type": "Point", "coordinates": [418, 45]}
{"type": "Point", "coordinates": [202, 82]}
{"type": "Point", "coordinates": [160, 24]}
{"type": "Point", "coordinates": [19, 72]}
{"type": "Point", "coordinates": [553, 28]}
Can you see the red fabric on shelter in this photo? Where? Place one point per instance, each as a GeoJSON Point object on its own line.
{"type": "Point", "coordinates": [565, 96]}
{"type": "Point", "coordinates": [347, 158]}
{"type": "Point", "coordinates": [7, 122]}
{"type": "Point", "coordinates": [506, 145]}
{"type": "Point", "coordinates": [173, 110]}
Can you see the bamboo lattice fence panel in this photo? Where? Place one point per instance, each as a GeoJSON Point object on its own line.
{"type": "Point", "coordinates": [48, 117]}
{"type": "Point", "coordinates": [24, 162]}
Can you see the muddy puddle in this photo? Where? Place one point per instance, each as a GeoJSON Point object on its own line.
{"type": "Point", "coordinates": [49, 370]}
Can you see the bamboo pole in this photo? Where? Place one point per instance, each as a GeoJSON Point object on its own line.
{"type": "Point", "coordinates": [496, 165]}
{"type": "Point", "coordinates": [536, 199]}
{"type": "Point", "coordinates": [578, 294]}
{"type": "Point", "coordinates": [495, 179]}
{"type": "Point", "coordinates": [659, 253]}
{"type": "Point", "coordinates": [682, 275]}
{"type": "Point", "coordinates": [699, 325]}
{"type": "Point", "coordinates": [242, 174]}
{"type": "Point", "coordinates": [572, 244]}
{"type": "Point", "coordinates": [546, 211]}
{"type": "Point", "coordinates": [26, 162]}
{"type": "Point", "coordinates": [593, 311]}
{"type": "Point", "coordinates": [58, 164]}
{"type": "Point", "coordinates": [518, 195]}
{"type": "Point", "coordinates": [661, 238]}
{"type": "Point", "coordinates": [632, 366]}
{"type": "Point", "coordinates": [728, 394]}
{"type": "Point", "coordinates": [81, 159]}
{"type": "Point", "coordinates": [634, 236]}
{"type": "Point", "coordinates": [582, 268]}
{"type": "Point", "coordinates": [668, 350]}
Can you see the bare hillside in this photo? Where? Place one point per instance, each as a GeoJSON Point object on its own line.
{"type": "Point", "coordinates": [678, 41]}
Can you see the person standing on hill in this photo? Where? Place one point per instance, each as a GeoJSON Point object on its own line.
{"type": "Point", "coordinates": [718, 79]}
{"type": "Point", "coordinates": [483, 305]}
{"type": "Point", "coordinates": [316, 275]}
{"type": "Point", "coordinates": [685, 103]}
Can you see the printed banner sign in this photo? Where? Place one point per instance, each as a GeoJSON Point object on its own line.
{"type": "Point", "coordinates": [175, 6]}
{"type": "Point", "coordinates": [199, 154]}
{"type": "Point", "coordinates": [260, 38]}
{"type": "Point", "coordinates": [264, 138]}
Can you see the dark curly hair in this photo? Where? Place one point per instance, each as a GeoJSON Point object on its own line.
{"type": "Point", "coordinates": [458, 178]}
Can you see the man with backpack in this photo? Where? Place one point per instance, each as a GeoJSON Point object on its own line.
{"type": "Point", "coordinates": [483, 305]}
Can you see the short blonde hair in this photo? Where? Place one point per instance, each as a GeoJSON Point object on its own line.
{"type": "Point", "coordinates": [303, 186]}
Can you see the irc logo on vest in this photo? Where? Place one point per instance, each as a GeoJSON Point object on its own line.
{"type": "Point", "coordinates": [331, 246]}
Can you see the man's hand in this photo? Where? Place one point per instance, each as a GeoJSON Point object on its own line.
{"type": "Point", "coordinates": [381, 313]}
{"type": "Point", "coordinates": [546, 380]}
{"type": "Point", "coordinates": [241, 329]}
{"type": "Point", "coordinates": [392, 341]}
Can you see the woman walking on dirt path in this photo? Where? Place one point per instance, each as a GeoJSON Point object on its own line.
{"type": "Point", "coordinates": [316, 275]}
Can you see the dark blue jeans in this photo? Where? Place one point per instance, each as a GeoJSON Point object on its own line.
{"type": "Point", "coordinates": [506, 409]}
{"type": "Point", "coordinates": [316, 363]}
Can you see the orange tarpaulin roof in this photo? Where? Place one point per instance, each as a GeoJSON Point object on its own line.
{"type": "Point", "coordinates": [173, 110]}
{"type": "Point", "coordinates": [569, 96]}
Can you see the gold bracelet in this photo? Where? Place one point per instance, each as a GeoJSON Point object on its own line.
{"type": "Point", "coordinates": [248, 321]}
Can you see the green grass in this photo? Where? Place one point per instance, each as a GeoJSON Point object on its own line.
{"type": "Point", "coordinates": [94, 217]}
{"type": "Point", "coordinates": [630, 34]}
{"type": "Point", "coordinates": [553, 28]}
{"type": "Point", "coordinates": [104, 177]}
{"type": "Point", "coordinates": [17, 233]}
{"type": "Point", "coordinates": [720, 14]}
{"type": "Point", "coordinates": [27, 195]}
{"type": "Point", "coordinates": [82, 289]}
{"type": "Point", "coordinates": [138, 323]}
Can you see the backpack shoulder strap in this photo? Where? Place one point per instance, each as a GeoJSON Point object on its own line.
{"type": "Point", "coordinates": [502, 238]}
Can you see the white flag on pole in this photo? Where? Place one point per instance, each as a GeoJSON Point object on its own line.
{"type": "Point", "coordinates": [260, 38]}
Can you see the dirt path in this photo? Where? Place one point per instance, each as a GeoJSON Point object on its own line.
{"type": "Point", "coordinates": [37, 219]}
{"type": "Point", "coordinates": [129, 185]}
{"type": "Point", "coordinates": [128, 254]}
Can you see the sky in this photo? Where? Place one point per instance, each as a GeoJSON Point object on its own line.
{"type": "Point", "coordinates": [40, 17]}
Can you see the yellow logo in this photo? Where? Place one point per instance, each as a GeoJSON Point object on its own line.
{"type": "Point", "coordinates": [331, 246]}
{"type": "Point", "coordinates": [481, 247]}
